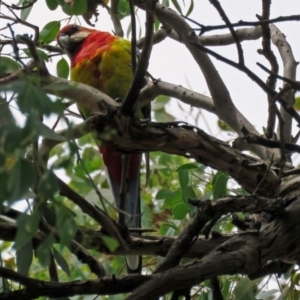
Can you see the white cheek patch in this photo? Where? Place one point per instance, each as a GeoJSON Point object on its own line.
{"type": "Point", "coordinates": [79, 36]}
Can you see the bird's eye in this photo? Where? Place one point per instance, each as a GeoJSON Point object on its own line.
{"type": "Point", "coordinates": [74, 29]}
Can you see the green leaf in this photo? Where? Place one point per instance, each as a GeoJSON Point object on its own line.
{"type": "Point", "coordinates": [183, 176]}
{"type": "Point", "coordinates": [27, 226]}
{"type": "Point", "coordinates": [6, 116]}
{"type": "Point", "coordinates": [191, 8]}
{"type": "Point", "coordinates": [19, 179]}
{"type": "Point", "coordinates": [92, 159]}
{"type": "Point", "coordinates": [40, 53]}
{"type": "Point", "coordinates": [49, 32]}
{"type": "Point", "coordinates": [160, 102]}
{"type": "Point", "coordinates": [177, 6]}
{"type": "Point", "coordinates": [163, 116]}
{"type": "Point", "coordinates": [168, 229]}
{"type": "Point", "coordinates": [111, 243]}
{"type": "Point", "coordinates": [61, 261]}
{"type": "Point", "coordinates": [46, 132]}
{"type": "Point", "coordinates": [123, 9]}
{"type": "Point", "coordinates": [79, 7]}
{"type": "Point", "coordinates": [66, 224]}
{"type": "Point", "coordinates": [180, 211]}
{"type": "Point", "coordinates": [156, 24]}
{"type": "Point", "coordinates": [49, 214]}
{"type": "Point", "coordinates": [52, 4]}
{"type": "Point", "coordinates": [67, 229]}
{"type": "Point", "coordinates": [48, 185]}
{"type": "Point", "coordinates": [189, 166]}
{"type": "Point", "coordinates": [243, 289]}
{"type": "Point", "coordinates": [164, 194]}
{"type": "Point", "coordinates": [44, 250]}
{"type": "Point", "coordinates": [297, 103]}
{"type": "Point", "coordinates": [8, 65]}
{"type": "Point", "coordinates": [223, 126]}
{"type": "Point", "coordinates": [170, 202]}
{"type": "Point", "coordinates": [26, 11]}
{"type": "Point", "coordinates": [220, 185]}
{"type": "Point", "coordinates": [159, 108]}
{"type": "Point", "coordinates": [24, 257]}
{"type": "Point", "coordinates": [62, 68]}
{"type": "Point", "coordinates": [13, 137]}
{"type": "Point", "coordinates": [33, 100]}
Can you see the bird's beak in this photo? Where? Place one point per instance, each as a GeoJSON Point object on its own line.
{"type": "Point", "coordinates": [64, 41]}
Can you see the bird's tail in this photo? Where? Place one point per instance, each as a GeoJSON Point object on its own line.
{"type": "Point", "coordinates": [132, 206]}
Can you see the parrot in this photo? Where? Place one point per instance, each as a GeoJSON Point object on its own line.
{"type": "Point", "coordinates": [104, 61]}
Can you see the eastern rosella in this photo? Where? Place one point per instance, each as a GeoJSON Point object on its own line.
{"type": "Point", "coordinates": [103, 61]}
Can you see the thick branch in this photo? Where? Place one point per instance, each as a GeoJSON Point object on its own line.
{"type": "Point", "coordinates": [289, 71]}
{"type": "Point", "coordinates": [139, 245]}
{"type": "Point", "coordinates": [185, 140]}
{"type": "Point", "coordinates": [224, 106]}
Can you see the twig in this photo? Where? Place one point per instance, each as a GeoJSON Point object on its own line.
{"type": "Point", "coordinates": [223, 15]}
{"type": "Point", "coordinates": [241, 23]}
{"type": "Point", "coordinates": [81, 253]}
{"type": "Point", "coordinates": [133, 37]}
{"type": "Point", "coordinates": [186, 238]}
{"type": "Point", "coordinates": [269, 55]}
{"type": "Point", "coordinates": [123, 187]}
{"type": "Point", "coordinates": [95, 213]}
{"type": "Point", "coordinates": [254, 139]}
{"type": "Point", "coordinates": [18, 20]}
{"type": "Point", "coordinates": [128, 105]}
{"type": "Point", "coordinates": [114, 15]}
{"type": "Point", "coordinates": [289, 71]}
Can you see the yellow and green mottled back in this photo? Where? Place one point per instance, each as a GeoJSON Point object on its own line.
{"type": "Point", "coordinates": [103, 61]}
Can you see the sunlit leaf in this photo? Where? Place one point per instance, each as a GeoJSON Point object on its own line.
{"type": "Point", "coordinates": [222, 125]}
{"type": "Point", "coordinates": [160, 102]}
{"type": "Point", "coordinates": [297, 103]}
